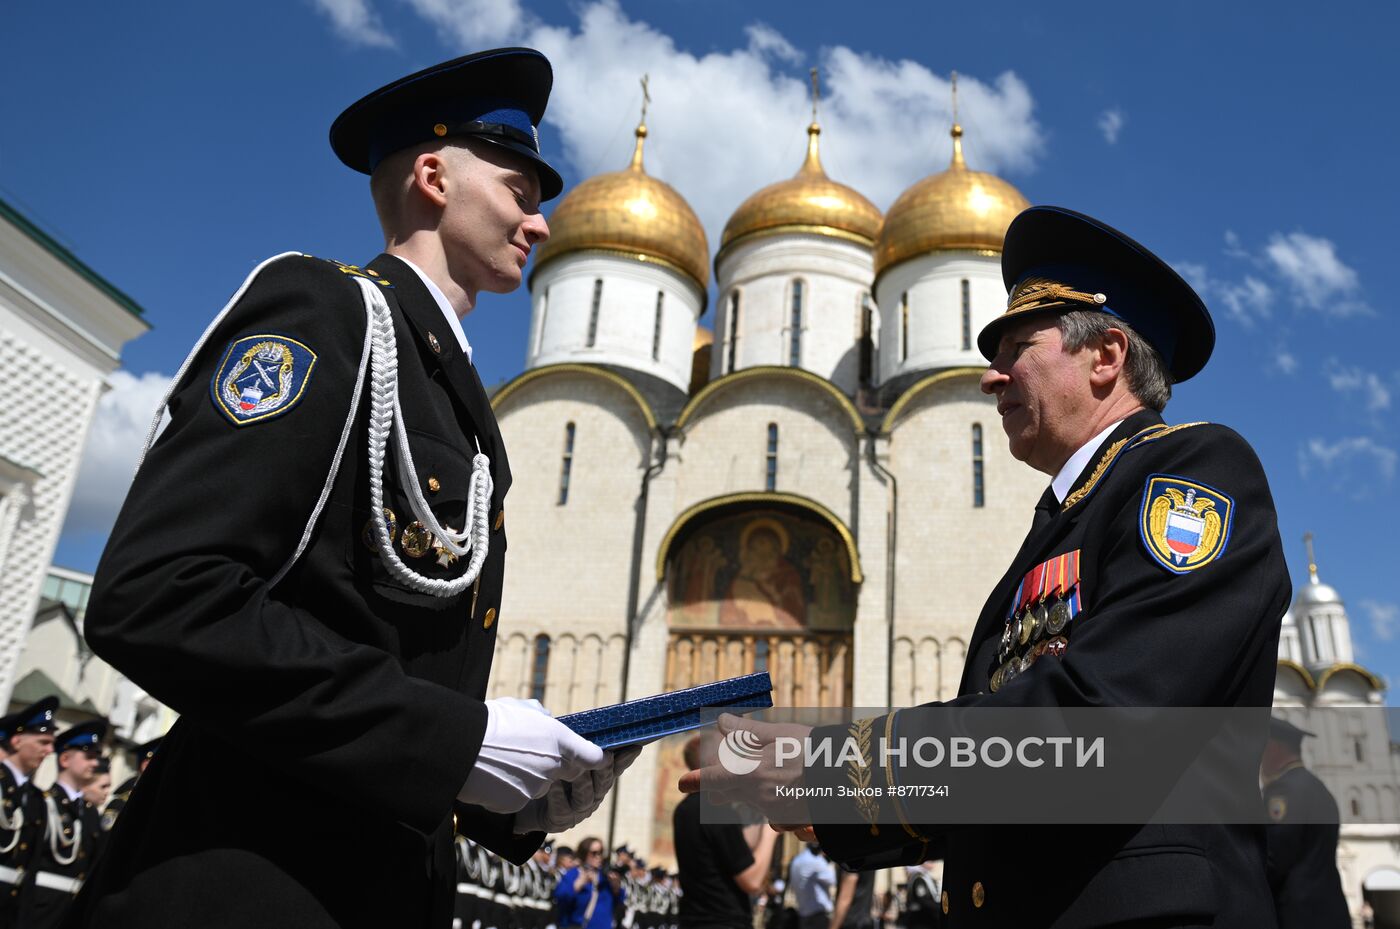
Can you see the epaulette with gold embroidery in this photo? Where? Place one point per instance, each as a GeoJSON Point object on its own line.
{"type": "Point", "coordinates": [355, 270]}
{"type": "Point", "coordinates": [1116, 451]}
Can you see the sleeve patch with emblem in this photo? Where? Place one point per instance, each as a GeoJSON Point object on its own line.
{"type": "Point", "coordinates": [261, 377]}
{"type": "Point", "coordinates": [1184, 525]}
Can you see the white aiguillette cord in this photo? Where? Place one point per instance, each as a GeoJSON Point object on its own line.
{"type": "Point", "coordinates": [380, 356]}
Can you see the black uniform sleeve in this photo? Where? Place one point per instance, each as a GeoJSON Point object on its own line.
{"type": "Point", "coordinates": [182, 605]}
{"type": "Point", "coordinates": [1148, 637]}
{"type": "Point", "coordinates": [494, 831]}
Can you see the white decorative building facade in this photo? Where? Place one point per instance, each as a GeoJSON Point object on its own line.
{"type": "Point", "coordinates": [62, 328]}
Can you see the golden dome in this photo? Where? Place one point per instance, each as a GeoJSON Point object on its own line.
{"type": "Point", "coordinates": [957, 209]}
{"type": "Point", "coordinates": [808, 202]}
{"type": "Point", "coordinates": [631, 213]}
{"type": "Point", "coordinates": [704, 335]}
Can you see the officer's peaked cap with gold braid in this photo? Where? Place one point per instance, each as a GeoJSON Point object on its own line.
{"type": "Point", "coordinates": [497, 96]}
{"type": "Point", "coordinates": [1058, 260]}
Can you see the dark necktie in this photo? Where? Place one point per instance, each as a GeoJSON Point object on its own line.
{"type": "Point", "coordinates": [1045, 509]}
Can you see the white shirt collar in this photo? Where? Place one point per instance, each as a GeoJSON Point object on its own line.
{"type": "Point", "coordinates": [444, 305]}
{"type": "Point", "coordinates": [73, 793]}
{"type": "Point", "coordinates": [1077, 462]}
{"type": "Point", "coordinates": [20, 777]}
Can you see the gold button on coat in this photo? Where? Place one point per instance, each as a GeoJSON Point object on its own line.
{"type": "Point", "coordinates": [979, 894]}
{"type": "Point", "coordinates": [489, 618]}
{"type": "Point", "coordinates": [500, 518]}
{"type": "Point", "coordinates": [945, 902]}
{"type": "Point", "coordinates": [434, 344]}
{"type": "Point", "coordinates": [434, 485]}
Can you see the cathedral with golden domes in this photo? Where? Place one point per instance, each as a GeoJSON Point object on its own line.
{"type": "Point", "coordinates": [817, 488]}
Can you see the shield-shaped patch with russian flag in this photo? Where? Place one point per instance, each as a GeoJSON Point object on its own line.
{"type": "Point", "coordinates": [1185, 525]}
{"type": "Point", "coordinates": [260, 377]}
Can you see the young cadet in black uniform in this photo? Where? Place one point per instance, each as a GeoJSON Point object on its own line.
{"type": "Point", "coordinates": [308, 565]}
{"type": "Point", "coordinates": [28, 739]}
{"type": "Point", "coordinates": [66, 839]}
{"type": "Point", "coordinates": [1152, 575]}
{"type": "Point", "coordinates": [1302, 837]}
{"type": "Point", "coordinates": [144, 753]}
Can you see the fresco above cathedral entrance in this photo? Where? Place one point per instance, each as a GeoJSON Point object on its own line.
{"type": "Point", "coordinates": [762, 569]}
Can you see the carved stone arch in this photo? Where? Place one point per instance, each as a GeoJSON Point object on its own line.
{"type": "Point", "coordinates": [739, 378]}
{"type": "Point", "coordinates": [954, 658]}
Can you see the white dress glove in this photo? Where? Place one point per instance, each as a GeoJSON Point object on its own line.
{"type": "Point", "coordinates": [569, 803]}
{"type": "Point", "coordinates": [524, 752]}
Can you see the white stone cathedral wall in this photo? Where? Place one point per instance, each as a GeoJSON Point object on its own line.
{"type": "Point", "coordinates": [50, 397]}
{"type": "Point", "coordinates": [836, 277]}
{"type": "Point", "coordinates": [934, 285]}
{"type": "Point", "coordinates": [562, 304]}
{"type": "Point", "coordinates": [725, 445]}
{"type": "Point", "coordinates": [568, 567]}
{"type": "Point", "coordinates": [949, 554]}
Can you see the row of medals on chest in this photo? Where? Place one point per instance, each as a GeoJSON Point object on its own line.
{"type": "Point", "coordinates": [416, 541]}
{"type": "Point", "coordinates": [1033, 631]}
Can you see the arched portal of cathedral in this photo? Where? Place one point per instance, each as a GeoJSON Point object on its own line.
{"type": "Point", "coordinates": [763, 586]}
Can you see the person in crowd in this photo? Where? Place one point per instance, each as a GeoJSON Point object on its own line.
{"type": "Point", "coordinates": [922, 899]}
{"type": "Point", "coordinates": [27, 737]}
{"type": "Point", "coordinates": [587, 895]}
{"type": "Point", "coordinates": [855, 895]}
{"type": "Point", "coordinates": [720, 867]}
{"type": "Point", "coordinates": [66, 843]}
{"type": "Point", "coordinates": [1302, 835]}
{"type": "Point", "coordinates": [812, 877]}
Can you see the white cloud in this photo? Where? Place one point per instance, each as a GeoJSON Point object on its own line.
{"type": "Point", "coordinates": [726, 123]}
{"type": "Point", "coordinates": [1346, 460]}
{"type": "Point", "coordinates": [1285, 361]}
{"type": "Point", "coordinates": [356, 22]}
{"type": "Point", "coordinates": [764, 39]}
{"type": "Point", "coordinates": [1319, 280]}
{"type": "Point", "coordinates": [468, 25]}
{"type": "Point", "coordinates": [1247, 301]}
{"type": "Point", "coordinates": [113, 443]}
{"type": "Point", "coordinates": [1348, 380]}
{"type": "Point", "coordinates": [1384, 617]}
{"type": "Point", "coordinates": [1110, 124]}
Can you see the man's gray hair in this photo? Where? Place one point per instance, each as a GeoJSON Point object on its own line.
{"type": "Point", "coordinates": [1147, 375]}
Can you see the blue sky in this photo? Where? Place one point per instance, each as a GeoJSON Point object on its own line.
{"type": "Point", "coordinates": [174, 145]}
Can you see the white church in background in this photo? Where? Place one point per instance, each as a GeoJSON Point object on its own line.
{"type": "Point", "coordinates": [818, 488]}
{"type": "Point", "coordinates": [1317, 672]}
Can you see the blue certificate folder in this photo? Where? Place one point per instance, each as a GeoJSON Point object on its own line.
{"type": "Point", "coordinates": [647, 719]}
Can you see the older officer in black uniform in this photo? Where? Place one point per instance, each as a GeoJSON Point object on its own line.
{"type": "Point", "coordinates": [67, 836]}
{"type": "Point", "coordinates": [1302, 836]}
{"type": "Point", "coordinates": [1152, 575]}
{"type": "Point", "coordinates": [28, 739]}
{"type": "Point", "coordinates": [308, 566]}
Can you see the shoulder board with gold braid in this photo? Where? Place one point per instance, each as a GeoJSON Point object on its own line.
{"type": "Point", "coordinates": [1117, 450]}
{"type": "Point", "coordinates": [368, 274]}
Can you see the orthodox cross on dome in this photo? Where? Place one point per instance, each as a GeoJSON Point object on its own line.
{"type": "Point", "coordinates": [641, 126]}
{"type": "Point", "coordinates": [1312, 558]}
{"type": "Point", "coordinates": [813, 163]}
{"type": "Point", "coordinates": [957, 130]}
